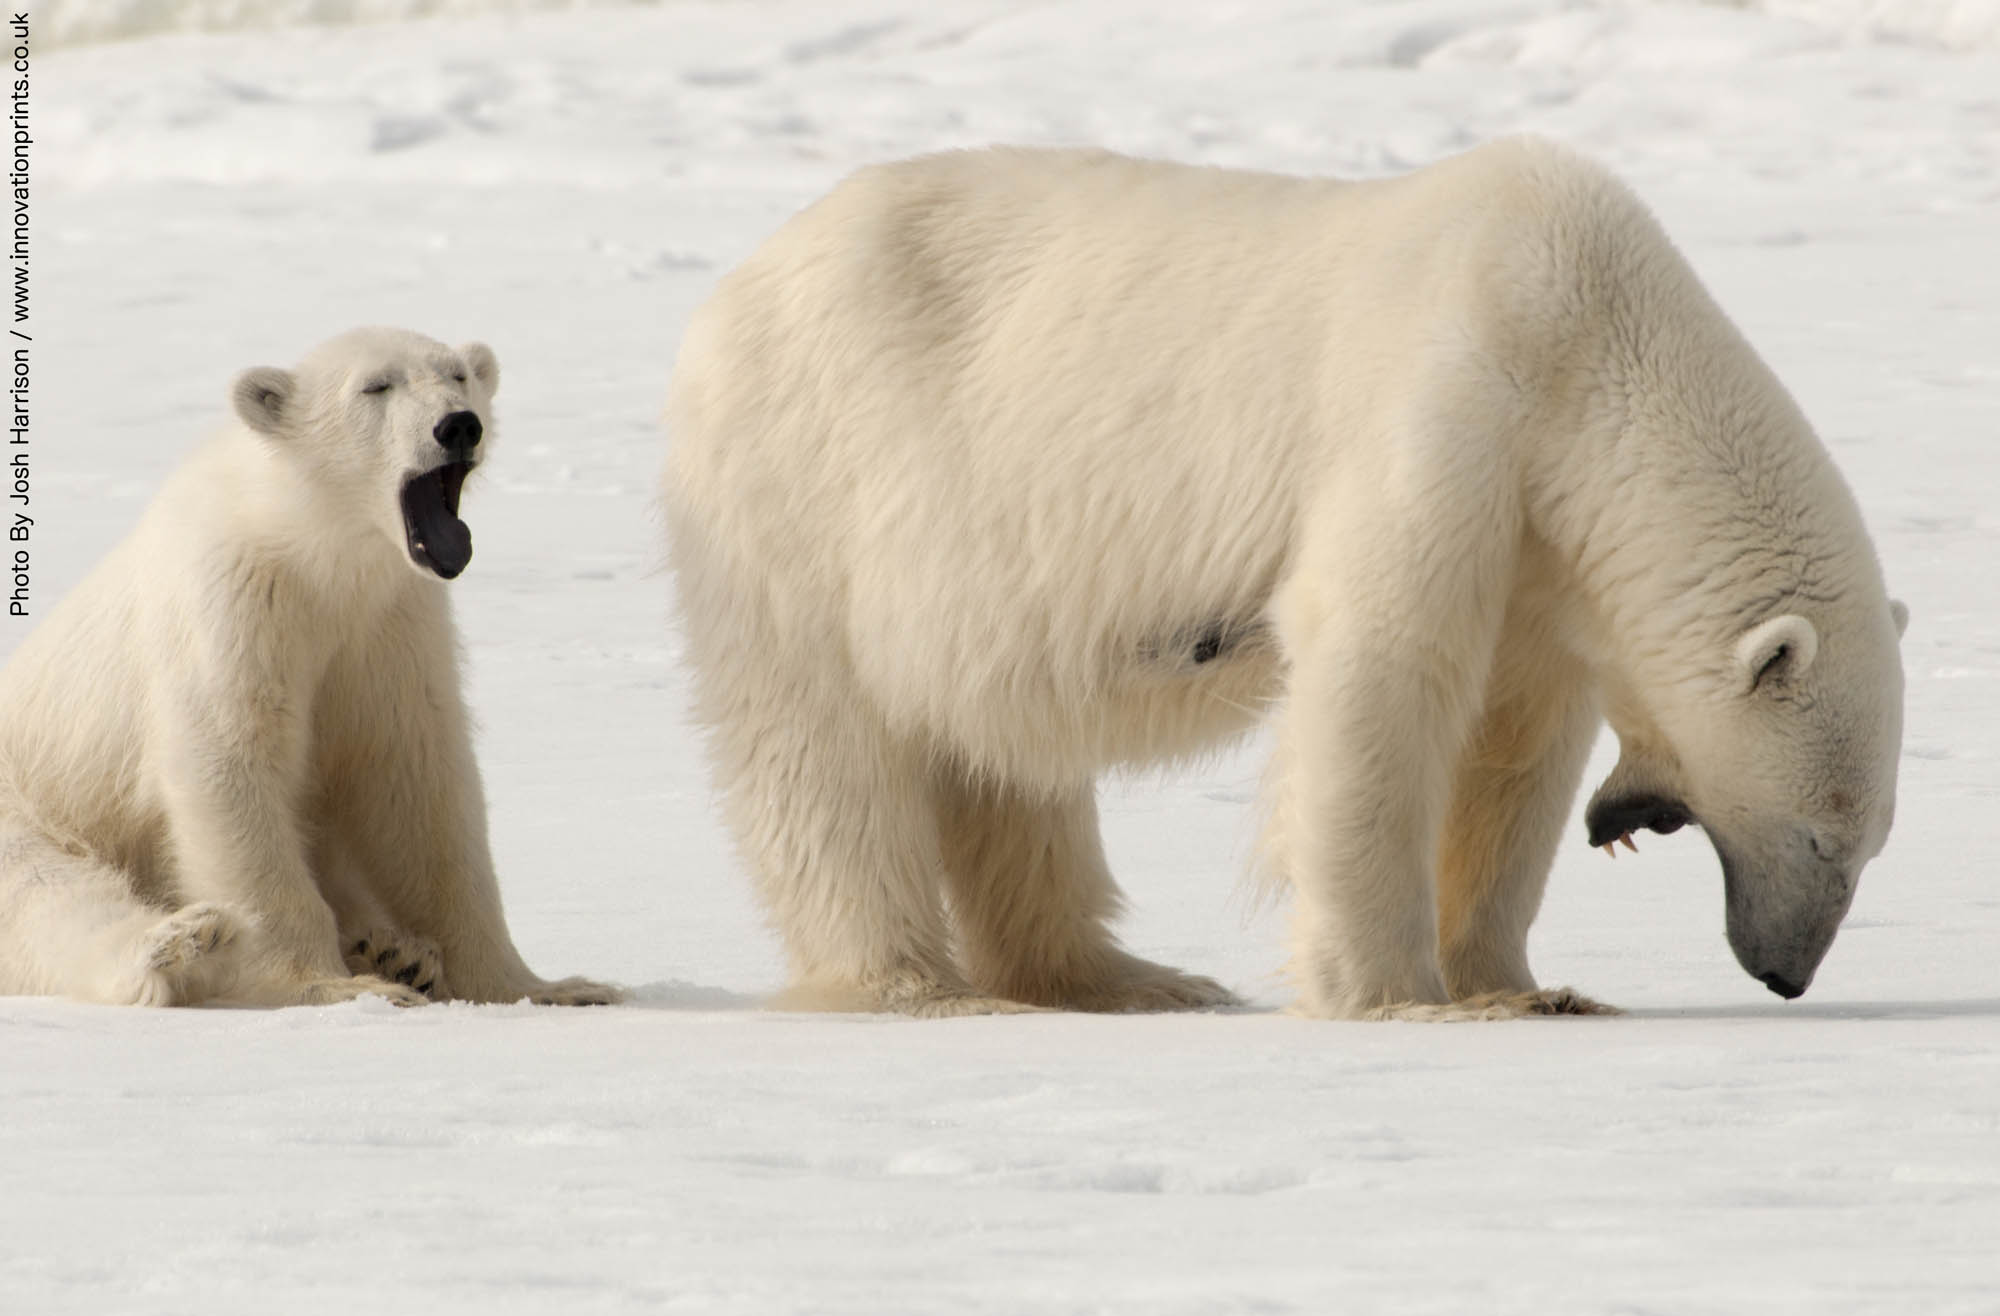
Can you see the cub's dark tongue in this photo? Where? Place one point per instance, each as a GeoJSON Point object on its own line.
{"type": "Point", "coordinates": [437, 537]}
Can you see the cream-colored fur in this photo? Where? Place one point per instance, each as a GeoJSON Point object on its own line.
{"type": "Point", "coordinates": [993, 470]}
{"type": "Point", "coordinates": [234, 762]}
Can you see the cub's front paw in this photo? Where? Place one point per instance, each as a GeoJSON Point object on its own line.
{"type": "Point", "coordinates": [400, 957]}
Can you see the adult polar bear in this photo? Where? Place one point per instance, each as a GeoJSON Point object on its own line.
{"type": "Point", "coordinates": [994, 469]}
{"type": "Point", "coordinates": [234, 762]}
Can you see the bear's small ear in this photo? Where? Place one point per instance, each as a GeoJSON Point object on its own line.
{"type": "Point", "coordinates": [1899, 612]}
{"type": "Point", "coordinates": [1780, 649]}
{"type": "Point", "coordinates": [485, 368]}
{"type": "Point", "coordinates": [262, 397]}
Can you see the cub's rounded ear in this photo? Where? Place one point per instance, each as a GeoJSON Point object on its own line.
{"type": "Point", "coordinates": [1780, 649]}
{"type": "Point", "coordinates": [1899, 611]}
{"type": "Point", "coordinates": [485, 368]}
{"type": "Point", "coordinates": [262, 398]}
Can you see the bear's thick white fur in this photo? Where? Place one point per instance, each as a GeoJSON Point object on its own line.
{"type": "Point", "coordinates": [992, 470]}
{"type": "Point", "coordinates": [234, 762]}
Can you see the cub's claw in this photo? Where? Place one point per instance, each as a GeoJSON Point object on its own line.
{"type": "Point", "coordinates": [397, 956]}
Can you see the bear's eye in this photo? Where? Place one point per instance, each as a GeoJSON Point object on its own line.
{"type": "Point", "coordinates": [376, 386]}
{"type": "Point", "coordinates": [460, 376]}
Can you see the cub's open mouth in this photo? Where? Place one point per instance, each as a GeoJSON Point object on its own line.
{"type": "Point", "coordinates": [438, 539]}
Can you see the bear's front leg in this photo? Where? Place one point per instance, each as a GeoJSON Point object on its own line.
{"type": "Point", "coordinates": [1512, 790]}
{"type": "Point", "coordinates": [1390, 622]}
{"type": "Point", "coordinates": [233, 777]}
{"type": "Point", "coordinates": [1357, 810]}
{"type": "Point", "coordinates": [434, 874]}
{"type": "Point", "coordinates": [407, 837]}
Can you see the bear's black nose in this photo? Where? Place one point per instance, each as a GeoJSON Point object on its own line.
{"type": "Point", "coordinates": [458, 433]}
{"type": "Point", "coordinates": [1782, 985]}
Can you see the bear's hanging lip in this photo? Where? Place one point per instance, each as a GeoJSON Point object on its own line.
{"type": "Point", "coordinates": [437, 539]}
{"type": "Point", "coordinates": [1615, 819]}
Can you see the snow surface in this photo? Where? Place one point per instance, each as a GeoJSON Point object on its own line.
{"type": "Point", "coordinates": [567, 185]}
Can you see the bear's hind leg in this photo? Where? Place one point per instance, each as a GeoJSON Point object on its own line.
{"type": "Point", "coordinates": [188, 956]}
{"type": "Point", "coordinates": [1031, 896]}
{"type": "Point", "coordinates": [835, 818]}
{"type": "Point", "coordinates": [72, 926]}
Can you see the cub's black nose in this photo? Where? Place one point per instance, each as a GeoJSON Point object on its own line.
{"type": "Point", "coordinates": [458, 433]}
{"type": "Point", "coordinates": [1782, 985]}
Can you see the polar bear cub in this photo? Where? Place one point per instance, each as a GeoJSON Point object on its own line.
{"type": "Point", "coordinates": [234, 762]}
{"type": "Point", "coordinates": [995, 470]}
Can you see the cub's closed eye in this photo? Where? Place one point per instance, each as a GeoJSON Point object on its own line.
{"type": "Point", "coordinates": [378, 386]}
{"type": "Point", "coordinates": [460, 376]}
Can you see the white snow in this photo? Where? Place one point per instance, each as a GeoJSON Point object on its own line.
{"type": "Point", "coordinates": [567, 185]}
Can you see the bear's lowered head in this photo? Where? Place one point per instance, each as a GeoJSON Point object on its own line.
{"type": "Point", "coordinates": [391, 422]}
{"type": "Point", "coordinates": [1784, 752]}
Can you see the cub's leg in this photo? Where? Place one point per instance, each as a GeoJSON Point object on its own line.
{"type": "Point", "coordinates": [406, 855]}
{"type": "Point", "coordinates": [1510, 797]}
{"type": "Point", "coordinates": [371, 941]}
{"type": "Point", "coordinates": [1031, 895]}
{"type": "Point", "coordinates": [71, 926]}
{"type": "Point", "coordinates": [234, 765]}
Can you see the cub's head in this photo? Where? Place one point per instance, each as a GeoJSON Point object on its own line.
{"type": "Point", "coordinates": [391, 423]}
{"type": "Point", "coordinates": [1784, 752]}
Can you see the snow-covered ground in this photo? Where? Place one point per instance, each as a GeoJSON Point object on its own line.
{"type": "Point", "coordinates": [567, 184]}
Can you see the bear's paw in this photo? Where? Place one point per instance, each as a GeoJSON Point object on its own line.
{"type": "Point", "coordinates": [576, 991]}
{"type": "Point", "coordinates": [1497, 1005]}
{"type": "Point", "coordinates": [416, 962]}
{"type": "Point", "coordinates": [184, 957]}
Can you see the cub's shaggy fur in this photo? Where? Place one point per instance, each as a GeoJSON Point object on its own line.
{"type": "Point", "coordinates": [234, 763]}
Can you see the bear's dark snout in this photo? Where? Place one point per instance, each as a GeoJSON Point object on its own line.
{"type": "Point", "coordinates": [1782, 985]}
{"type": "Point", "coordinates": [458, 433]}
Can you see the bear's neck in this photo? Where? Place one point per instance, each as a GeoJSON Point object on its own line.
{"type": "Point", "coordinates": [1694, 500]}
{"type": "Point", "coordinates": [330, 555]}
